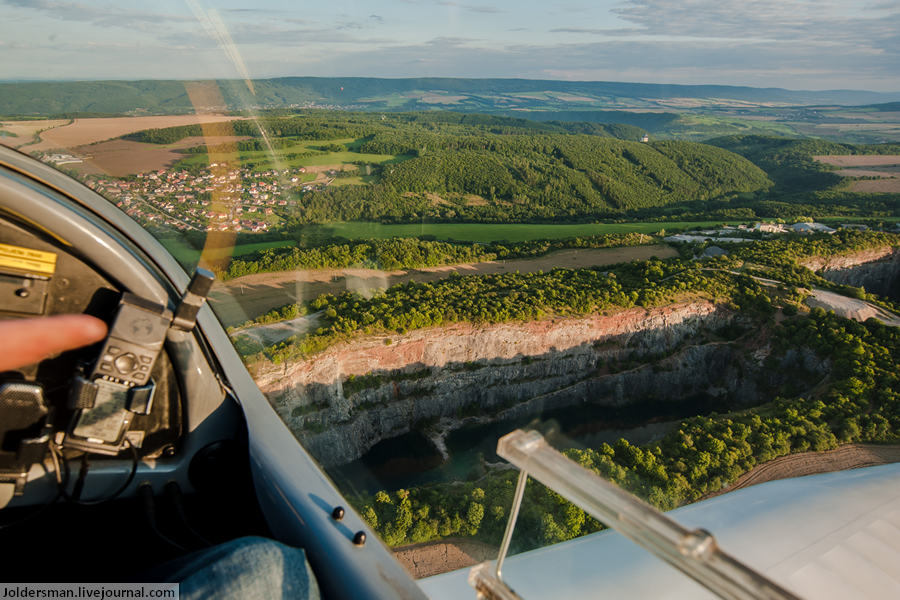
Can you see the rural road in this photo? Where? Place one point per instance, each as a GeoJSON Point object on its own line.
{"type": "Point", "coordinates": [276, 332]}
{"type": "Point", "coordinates": [851, 308]}
{"type": "Point", "coordinates": [843, 306]}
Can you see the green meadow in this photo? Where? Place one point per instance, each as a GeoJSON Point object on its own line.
{"type": "Point", "coordinates": [282, 157]}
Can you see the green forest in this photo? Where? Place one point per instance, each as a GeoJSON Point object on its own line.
{"type": "Point", "coordinates": [457, 167]}
{"type": "Point", "coordinates": [493, 177]}
{"type": "Point", "coordinates": [564, 292]}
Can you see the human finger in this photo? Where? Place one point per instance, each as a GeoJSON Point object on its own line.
{"type": "Point", "coordinates": [28, 341]}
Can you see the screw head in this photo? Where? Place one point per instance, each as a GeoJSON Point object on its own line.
{"type": "Point", "coordinates": [338, 513]}
{"type": "Point", "coordinates": [359, 538]}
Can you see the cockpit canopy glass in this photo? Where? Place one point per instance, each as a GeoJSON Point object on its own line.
{"type": "Point", "coordinates": [436, 222]}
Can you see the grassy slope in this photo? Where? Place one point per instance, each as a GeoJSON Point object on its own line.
{"type": "Point", "coordinates": [186, 254]}
{"type": "Point", "coordinates": [468, 232]}
{"type": "Point", "coordinates": [263, 160]}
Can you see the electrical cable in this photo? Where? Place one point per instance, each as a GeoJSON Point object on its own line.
{"type": "Point", "coordinates": [82, 475]}
{"type": "Point", "coordinates": [75, 499]}
{"type": "Point", "coordinates": [173, 492]}
{"type": "Point", "coordinates": [145, 492]}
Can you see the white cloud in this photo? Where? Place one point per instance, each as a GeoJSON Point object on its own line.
{"type": "Point", "coordinates": [106, 15]}
{"type": "Point", "coordinates": [800, 21]}
{"type": "Point", "coordinates": [794, 43]}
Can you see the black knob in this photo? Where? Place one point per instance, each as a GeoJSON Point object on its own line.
{"type": "Point", "coordinates": [360, 538]}
{"type": "Point", "coordinates": [338, 513]}
{"type": "Point", "coordinates": [126, 363]}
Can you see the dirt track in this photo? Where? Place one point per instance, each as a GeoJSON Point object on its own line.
{"type": "Point", "coordinates": [850, 456]}
{"type": "Point", "coordinates": [432, 558]}
{"type": "Point", "coordinates": [247, 297]}
{"type": "Point", "coordinates": [851, 308]}
{"type": "Point", "coordinates": [276, 332]}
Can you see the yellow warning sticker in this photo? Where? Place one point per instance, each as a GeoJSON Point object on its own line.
{"type": "Point", "coordinates": [36, 262]}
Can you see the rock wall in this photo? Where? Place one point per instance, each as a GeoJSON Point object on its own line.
{"type": "Point", "coordinates": [450, 374]}
{"type": "Point", "coordinates": [440, 378]}
{"type": "Point", "coordinates": [464, 343]}
{"type": "Point", "coordinates": [876, 270]}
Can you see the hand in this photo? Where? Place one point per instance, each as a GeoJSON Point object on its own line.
{"type": "Point", "coordinates": [28, 341]}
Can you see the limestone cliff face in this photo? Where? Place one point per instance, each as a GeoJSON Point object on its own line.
{"type": "Point", "coordinates": [497, 372]}
{"type": "Point", "coordinates": [876, 270]}
{"type": "Point", "coordinates": [462, 343]}
{"type": "Point", "coordinates": [440, 378]}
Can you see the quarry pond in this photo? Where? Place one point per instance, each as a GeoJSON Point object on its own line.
{"type": "Point", "coordinates": [412, 459]}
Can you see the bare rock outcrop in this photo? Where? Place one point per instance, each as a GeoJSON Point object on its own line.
{"type": "Point", "coordinates": [877, 270]}
{"type": "Point", "coordinates": [494, 372]}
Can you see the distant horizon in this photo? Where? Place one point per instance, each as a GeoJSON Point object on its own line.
{"type": "Point", "coordinates": [447, 77]}
{"type": "Point", "coordinates": [807, 45]}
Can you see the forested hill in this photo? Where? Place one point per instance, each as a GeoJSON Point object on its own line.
{"type": "Point", "coordinates": [563, 176]}
{"type": "Point", "coordinates": [324, 125]}
{"type": "Point", "coordinates": [449, 166]}
{"type": "Point", "coordinates": [515, 178]}
{"type": "Point", "coordinates": [470, 95]}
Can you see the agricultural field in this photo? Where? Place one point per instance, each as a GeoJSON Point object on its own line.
{"type": "Point", "coordinates": [293, 156]}
{"type": "Point", "coordinates": [469, 232]}
{"type": "Point", "coordinates": [21, 133]}
{"type": "Point", "coordinates": [463, 232]}
{"type": "Point", "coordinates": [247, 297]}
{"type": "Point", "coordinates": [881, 173]}
{"type": "Point", "coordinates": [186, 254]}
{"type": "Point", "coordinates": [81, 132]}
{"type": "Point", "coordinates": [120, 157]}
{"type": "Point", "coordinates": [860, 125]}
{"type": "Point", "coordinates": [353, 180]}
{"type": "Point", "coordinates": [700, 127]}
{"type": "Point", "coordinates": [486, 232]}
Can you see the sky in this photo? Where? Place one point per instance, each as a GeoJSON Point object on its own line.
{"type": "Point", "coordinates": [796, 44]}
